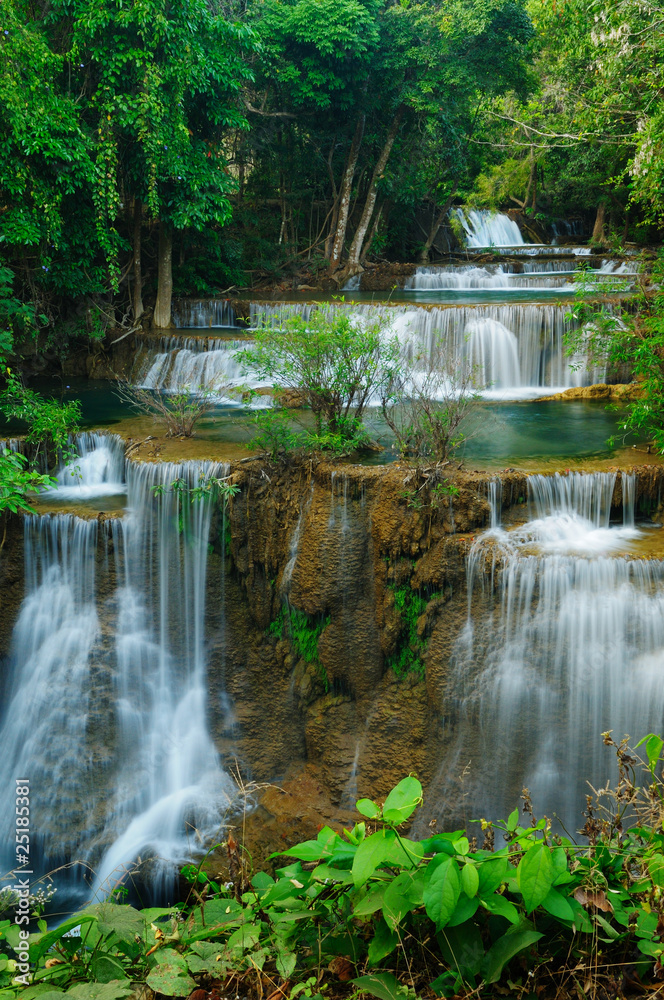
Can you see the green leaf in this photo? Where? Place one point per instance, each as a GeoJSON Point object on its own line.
{"type": "Point", "coordinates": [535, 875]}
{"type": "Point", "coordinates": [464, 910]}
{"type": "Point", "coordinates": [501, 907]}
{"type": "Point", "coordinates": [505, 948]}
{"type": "Point", "coordinates": [462, 948]}
{"type": "Point", "coordinates": [123, 921]}
{"type": "Point", "coordinates": [383, 985]}
{"type": "Point", "coordinates": [395, 905]}
{"type": "Point", "coordinates": [105, 969]}
{"type": "Point", "coordinates": [46, 941]}
{"type": "Point", "coordinates": [513, 820]}
{"type": "Point", "coordinates": [470, 879]}
{"type": "Point", "coordinates": [402, 801]}
{"type": "Point", "coordinates": [285, 962]}
{"type": "Point", "coordinates": [170, 980]}
{"type": "Point", "coordinates": [493, 870]}
{"type": "Point", "coordinates": [371, 853]}
{"type": "Point", "coordinates": [557, 905]}
{"type": "Point", "coordinates": [100, 991]}
{"type": "Point", "coordinates": [370, 903]}
{"type": "Point", "coordinates": [367, 808]}
{"type": "Point", "coordinates": [245, 937]}
{"type": "Point", "coordinates": [656, 870]}
{"type": "Point", "coordinates": [442, 892]}
{"type": "Point", "coordinates": [383, 943]}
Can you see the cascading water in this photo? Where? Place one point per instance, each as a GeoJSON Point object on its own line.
{"type": "Point", "coordinates": [195, 365]}
{"type": "Point", "coordinates": [488, 229]}
{"type": "Point", "coordinates": [97, 472]}
{"type": "Point", "coordinates": [170, 787]}
{"type": "Point", "coordinates": [107, 708]}
{"type": "Point", "coordinates": [538, 329]}
{"type": "Point", "coordinates": [191, 314]}
{"type": "Point", "coordinates": [562, 643]}
{"type": "Point", "coordinates": [44, 733]}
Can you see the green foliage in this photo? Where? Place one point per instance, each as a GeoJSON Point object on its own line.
{"type": "Point", "coordinates": [336, 362]}
{"type": "Point", "coordinates": [16, 481]}
{"type": "Point", "coordinates": [50, 423]}
{"type": "Point", "coordinates": [532, 910]}
{"type": "Point", "coordinates": [631, 341]}
{"type": "Point", "coordinates": [274, 433]}
{"type": "Point", "coordinates": [303, 631]}
{"type": "Point", "coordinates": [407, 657]}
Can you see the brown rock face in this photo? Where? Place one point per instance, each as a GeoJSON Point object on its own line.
{"type": "Point", "coordinates": [337, 584]}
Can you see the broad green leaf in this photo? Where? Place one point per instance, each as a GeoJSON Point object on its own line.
{"type": "Point", "coordinates": [395, 905]}
{"type": "Point", "coordinates": [323, 873]}
{"type": "Point", "coordinates": [501, 907]}
{"type": "Point", "coordinates": [470, 879]}
{"type": "Point", "coordinates": [383, 985]}
{"type": "Point", "coordinates": [405, 853]}
{"type": "Point", "coordinates": [505, 948]}
{"type": "Point", "coordinates": [170, 980]}
{"type": "Point", "coordinates": [123, 921]}
{"type": "Point", "coordinates": [535, 875]}
{"type": "Point", "coordinates": [285, 963]}
{"type": "Point", "coordinates": [462, 845]}
{"type": "Point", "coordinates": [105, 968]}
{"type": "Point", "coordinates": [557, 905]}
{"type": "Point", "coordinates": [464, 910]}
{"type": "Point", "coordinates": [492, 870]}
{"type": "Point", "coordinates": [46, 941]}
{"type": "Point", "coordinates": [371, 853]}
{"type": "Point", "coordinates": [244, 937]}
{"type": "Point", "coordinates": [462, 948]}
{"type": "Point", "coordinates": [442, 891]}
{"type": "Point", "coordinates": [100, 991]}
{"type": "Point", "coordinates": [370, 903]}
{"type": "Point", "coordinates": [402, 801]}
{"type": "Point", "coordinates": [656, 870]}
{"type": "Point", "coordinates": [383, 943]}
{"type": "Point", "coordinates": [309, 850]}
{"type": "Point", "coordinates": [262, 881]}
{"type": "Point", "coordinates": [513, 820]}
{"type": "Point", "coordinates": [367, 808]}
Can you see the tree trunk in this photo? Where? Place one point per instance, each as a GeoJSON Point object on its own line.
{"type": "Point", "coordinates": [372, 233]}
{"type": "Point", "coordinates": [137, 296]}
{"type": "Point", "coordinates": [353, 264]}
{"type": "Point", "coordinates": [598, 228]}
{"type": "Point", "coordinates": [435, 227]}
{"type": "Point", "coordinates": [162, 308]}
{"type": "Point", "coordinates": [345, 193]}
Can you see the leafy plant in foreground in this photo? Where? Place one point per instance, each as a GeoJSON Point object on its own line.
{"type": "Point", "coordinates": [401, 917]}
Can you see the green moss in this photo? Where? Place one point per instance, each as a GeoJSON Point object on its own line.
{"type": "Point", "coordinates": [304, 633]}
{"type": "Point", "coordinates": [410, 647]}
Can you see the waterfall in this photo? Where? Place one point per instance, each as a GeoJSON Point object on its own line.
{"type": "Point", "coordinates": [493, 352]}
{"type": "Point", "coordinates": [170, 791]}
{"type": "Point", "coordinates": [562, 643]}
{"type": "Point", "coordinates": [44, 728]}
{"type": "Point", "coordinates": [193, 364]}
{"type": "Point", "coordinates": [190, 314]}
{"type": "Point", "coordinates": [463, 277]}
{"type": "Point", "coordinates": [538, 329]}
{"type": "Point", "coordinates": [107, 704]}
{"type": "Point", "coordinates": [97, 472]}
{"type": "Point", "coordinates": [488, 229]}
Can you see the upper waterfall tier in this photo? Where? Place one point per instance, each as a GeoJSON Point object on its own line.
{"type": "Point", "coordinates": [488, 229]}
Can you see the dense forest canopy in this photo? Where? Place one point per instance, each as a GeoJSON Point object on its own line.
{"type": "Point", "coordinates": [156, 147]}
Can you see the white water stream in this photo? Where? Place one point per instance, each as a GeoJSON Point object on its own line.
{"type": "Point", "coordinates": [107, 712]}
{"type": "Point", "coordinates": [564, 640]}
